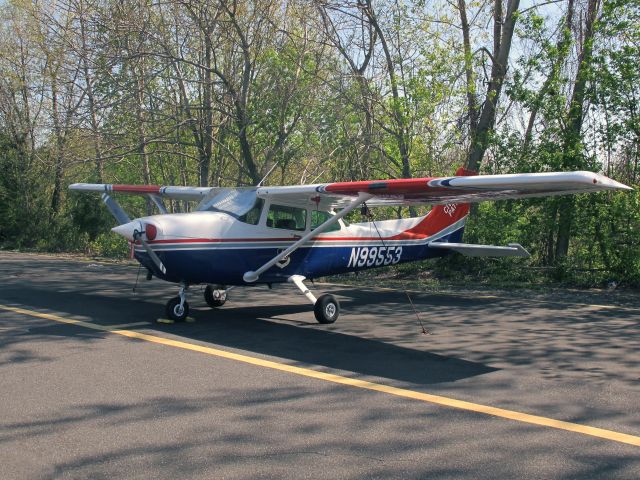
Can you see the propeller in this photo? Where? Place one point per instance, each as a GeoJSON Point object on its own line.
{"type": "Point", "coordinates": [138, 236]}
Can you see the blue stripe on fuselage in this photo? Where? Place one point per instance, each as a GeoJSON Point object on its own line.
{"type": "Point", "coordinates": [226, 266]}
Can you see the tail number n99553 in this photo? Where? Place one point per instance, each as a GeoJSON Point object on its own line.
{"type": "Point", "coordinates": [374, 256]}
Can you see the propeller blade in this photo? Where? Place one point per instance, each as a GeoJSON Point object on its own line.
{"type": "Point", "coordinates": [137, 235]}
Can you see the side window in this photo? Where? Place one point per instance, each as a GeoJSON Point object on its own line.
{"type": "Point", "coordinates": [289, 218]}
{"type": "Point", "coordinates": [252, 217]}
{"type": "Point", "coordinates": [319, 217]}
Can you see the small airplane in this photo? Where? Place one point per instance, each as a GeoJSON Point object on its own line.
{"type": "Point", "coordinates": [249, 235]}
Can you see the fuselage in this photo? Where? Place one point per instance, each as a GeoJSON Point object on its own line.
{"type": "Point", "coordinates": [218, 248]}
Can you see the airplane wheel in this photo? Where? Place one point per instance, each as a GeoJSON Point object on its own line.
{"type": "Point", "coordinates": [174, 312]}
{"type": "Point", "coordinates": [326, 309]}
{"type": "Point", "coordinates": [214, 297]}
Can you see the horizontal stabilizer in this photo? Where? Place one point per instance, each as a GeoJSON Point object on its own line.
{"type": "Point", "coordinates": [471, 250]}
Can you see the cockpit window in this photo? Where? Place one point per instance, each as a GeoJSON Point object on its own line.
{"type": "Point", "coordinates": [318, 217]}
{"type": "Point", "coordinates": [252, 217]}
{"type": "Point", "coordinates": [289, 218]}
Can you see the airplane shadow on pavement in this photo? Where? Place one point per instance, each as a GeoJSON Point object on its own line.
{"type": "Point", "coordinates": [249, 328]}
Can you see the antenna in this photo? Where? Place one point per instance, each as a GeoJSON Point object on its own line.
{"type": "Point", "coordinates": [268, 173]}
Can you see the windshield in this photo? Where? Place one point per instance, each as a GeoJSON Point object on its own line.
{"type": "Point", "coordinates": [235, 202]}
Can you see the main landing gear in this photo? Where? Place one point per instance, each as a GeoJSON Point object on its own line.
{"type": "Point", "coordinates": [215, 296]}
{"type": "Point", "coordinates": [326, 308]}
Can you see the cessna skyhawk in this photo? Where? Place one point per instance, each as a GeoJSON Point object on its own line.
{"type": "Point", "coordinates": [242, 236]}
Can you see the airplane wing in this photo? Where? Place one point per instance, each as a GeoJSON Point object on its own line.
{"type": "Point", "coordinates": [410, 191]}
{"type": "Point", "coordinates": [176, 193]}
{"type": "Point", "coordinates": [443, 190]}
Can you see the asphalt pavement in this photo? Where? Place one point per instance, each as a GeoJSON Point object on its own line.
{"type": "Point", "coordinates": [513, 384]}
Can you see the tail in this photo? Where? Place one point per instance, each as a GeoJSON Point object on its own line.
{"type": "Point", "coordinates": [443, 216]}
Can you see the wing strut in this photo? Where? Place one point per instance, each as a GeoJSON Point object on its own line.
{"type": "Point", "coordinates": [116, 210]}
{"type": "Point", "coordinates": [158, 202]}
{"type": "Point", "coordinates": [252, 276]}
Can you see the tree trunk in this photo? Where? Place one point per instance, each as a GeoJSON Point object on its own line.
{"type": "Point", "coordinates": [241, 98]}
{"type": "Point", "coordinates": [91, 102]}
{"type": "Point", "coordinates": [139, 78]}
{"type": "Point", "coordinates": [400, 133]}
{"type": "Point", "coordinates": [468, 70]}
{"type": "Point", "coordinates": [58, 151]}
{"type": "Point", "coordinates": [358, 71]}
{"type": "Point", "coordinates": [572, 148]}
{"type": "Point", "coordinates": [503, 36]}
{"type": "Point", "coordinates": [207, 110]}
{"type": "Point", "coordinates": [551, 234]}
{"type": "Point", "coordinates": [562, 47]}
{"type": "Point", "coordinates": [565, 221]}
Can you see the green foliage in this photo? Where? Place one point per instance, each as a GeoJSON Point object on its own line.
{"type": "Point", "coordinates": [23, 202]}
{"type": "Point", "coordinates": [108, 245]}
{"type": "Point", "coordinates": [304, 106]}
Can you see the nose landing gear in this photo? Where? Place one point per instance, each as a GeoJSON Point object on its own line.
{"type": "Point", "coordinates": [177, 308]}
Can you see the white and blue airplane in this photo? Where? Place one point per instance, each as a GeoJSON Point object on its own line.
{"type": "Point", "coordinates": [242, 236]}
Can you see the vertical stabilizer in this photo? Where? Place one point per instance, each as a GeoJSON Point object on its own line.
{"type": "Point", "coordinates": [443, 216]}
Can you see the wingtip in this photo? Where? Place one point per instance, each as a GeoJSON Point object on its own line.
{"type": "Point", "coordinates": [615, 185]}
{"type": "Point", "coordinates": [608, 183]}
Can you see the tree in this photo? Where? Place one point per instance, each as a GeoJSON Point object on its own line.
{"type": "Point", "coordinates": [482, 119]}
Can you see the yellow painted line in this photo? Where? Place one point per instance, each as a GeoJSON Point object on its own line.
{"type": "Point", "coordinates": [70, 321]}
{"type": "Point", "coordinates": [352, 382]}
{"type": "Point", "coordinates": [55, 318]}
{"type": "Point", "coordinates": [128, 325]}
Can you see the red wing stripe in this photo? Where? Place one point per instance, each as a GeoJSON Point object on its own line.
{"type": "Point", "coordinates": [405, 186]}
{"type": "Point", "coordinates": [377, 187]}
{"type": "Point", "coordinates": [136, 188]}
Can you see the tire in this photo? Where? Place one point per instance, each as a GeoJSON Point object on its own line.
{"type": "Point", "coordinates": [209, 296]}
{"type": "Point", "coordinates": [326, 309]}
{"type": "Point", "coordinates": [172, 310]}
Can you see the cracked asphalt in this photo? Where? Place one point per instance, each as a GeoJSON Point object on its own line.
{"type": "Point", "coordinates": [79, 402]}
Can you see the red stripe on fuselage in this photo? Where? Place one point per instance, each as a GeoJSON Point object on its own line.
{"type": "Point", "coordinates": [401, 236]}
{"type": "Point", "coordinates": [223, 240]}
